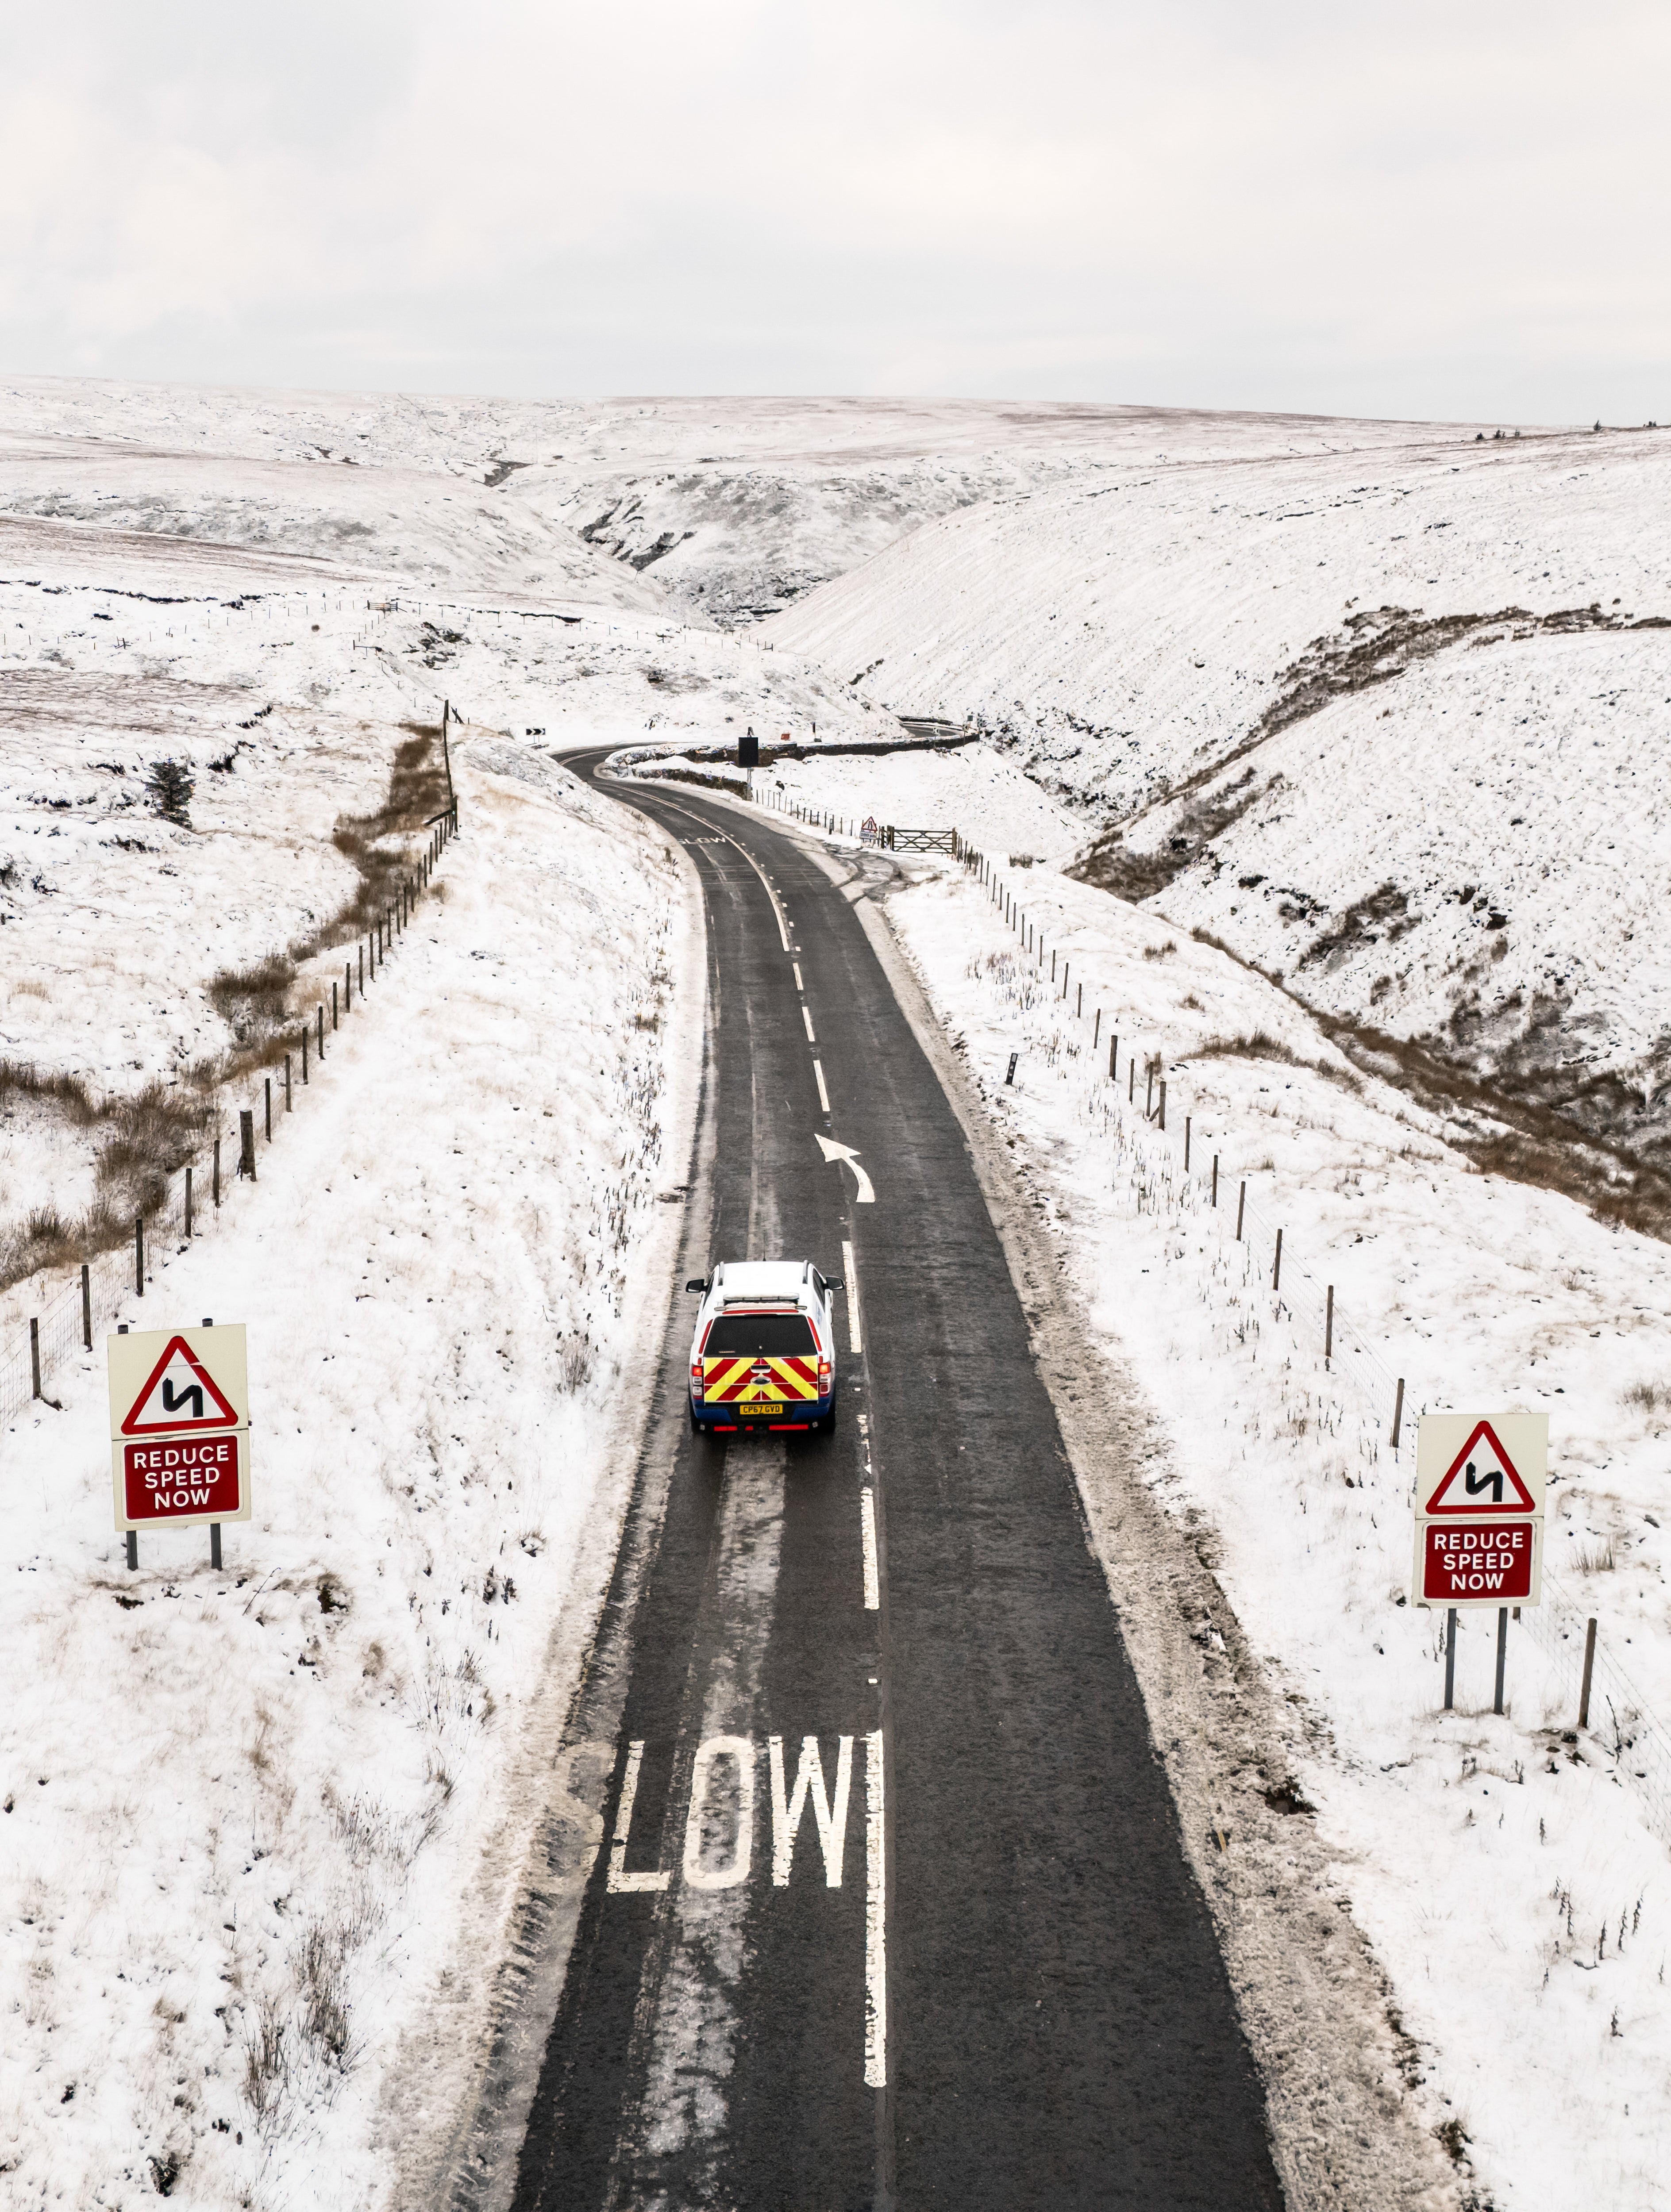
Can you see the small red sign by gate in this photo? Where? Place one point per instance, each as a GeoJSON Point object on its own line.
{"type": "Point", "coordinates": [1477, 1562]}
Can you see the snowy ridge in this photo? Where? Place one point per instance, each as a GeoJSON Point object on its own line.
{"type": "Point", "coordinates": [1381, 724]}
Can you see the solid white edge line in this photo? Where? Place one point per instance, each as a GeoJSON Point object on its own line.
{"type": "Point", "coordinates": [823, 1095]}
{"type": "Point", "coordinates": [850, 1274]}
{"type": "Point", "coordinates": [806, 1016]}
{"type": "Point", "coordinates": [868, 1530]}
{"type": "Point", "coordinates": [875, 1918]}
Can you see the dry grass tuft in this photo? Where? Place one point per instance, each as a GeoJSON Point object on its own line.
{"type": "Point", "coordinates": [146, 1139]}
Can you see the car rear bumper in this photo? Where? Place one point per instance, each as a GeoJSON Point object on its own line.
{"type": "Point", "coordinates": [724, 1420]}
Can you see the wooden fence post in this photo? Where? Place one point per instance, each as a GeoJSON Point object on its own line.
{"type": "Point", "coordinates": [1097, 1031]}
{"type": "Point", "coordinates": [1079, 1004]}
{"type": "Point", "coordinates": [1240, 1207]}
{"type": "Point", "coordinates": [188, 1205]}
{"type": "Point", "coordinates": [1163, 1101]}
{"type": "Point", "coordinates": [1328, 1327]}
{"type": "Point", "coordinates": [304, 1052]}
{"type": "Point", "coordinates": [266, 1092]}
{"type": "Point", "coordinates": [321, 1029]}
{"type": "Point", "coordinates": [139, 1255]}
{"type": "Point", "coordinates": [288, 1105]}
{"type": "Point", "coordinates": [1114, 1052]}
{"type": "Point", "coordinates": [1187, 1118]}
{"type": "Point", "coordinates": [1589, 1670]}
{"type": "Point", "coordinates": [35, 1352]}
{"type": "Point", "coordinates": [1398, 1413]}
{"type": "Point", "coordinates": [87, 1307]}
{"type": "Point", "coordinates": [247, 1142]}
{"type": "Point", "coordinates": [1215, 1178]}
{"type": "Point", "coordinates": [333, 1008]}
{"type": "Point", "coordinates": [1276, 1269]}
{"type": "Point", "coordinates": [216, 1173]}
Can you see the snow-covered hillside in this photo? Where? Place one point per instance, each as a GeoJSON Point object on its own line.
{"type": "Point", "coordinates": [1384, 724]}
{"type": "Point", "coordinates": [721, 510]}
{"type": "Point", "coordinates": [261, 1829]}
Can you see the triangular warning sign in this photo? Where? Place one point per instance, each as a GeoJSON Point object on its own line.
{"type": "Point", "coordinates": [1482, 1478]}
{"type": "Point", "coordinates": [181, 1393]}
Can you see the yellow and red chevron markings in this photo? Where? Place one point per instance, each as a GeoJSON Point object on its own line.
{"type": "Point", "coordinates": [735, 1378]}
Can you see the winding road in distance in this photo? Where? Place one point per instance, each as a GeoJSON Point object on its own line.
{"type": "Point", "coordinates": [890, 1907]}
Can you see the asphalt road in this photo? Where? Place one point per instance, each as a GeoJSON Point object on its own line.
{"type": "Point", "coordinates": [971, 1966]}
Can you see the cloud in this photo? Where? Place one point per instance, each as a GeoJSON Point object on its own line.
{"type": "Point", "coordinates": [1415, 210]}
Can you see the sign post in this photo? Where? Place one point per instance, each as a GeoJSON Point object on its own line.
{"type": "Point", "coordinates": [1479, 1493]}
{"type": "Point", "coordinates": [178, 1430]}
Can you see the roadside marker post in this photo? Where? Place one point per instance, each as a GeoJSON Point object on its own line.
{"type": "Point", "coordinates": [178, 1430]}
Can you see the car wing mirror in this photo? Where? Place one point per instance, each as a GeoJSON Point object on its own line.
{"type": "Point", "coordinates": [834, 1283]}
{"type": "Point", "coordinates": [696, 1283]}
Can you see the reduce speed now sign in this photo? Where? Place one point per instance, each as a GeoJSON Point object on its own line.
{"type": "Point", "coordinates": [179, 1425]}
{"type": "Point", "coordinates": [1479, 1490]}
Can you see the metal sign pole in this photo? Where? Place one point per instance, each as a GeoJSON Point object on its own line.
{"type": "Point", "coordinates": [1450, 1658]}
{"type": "Point", "coordinates": [1501, 1653]}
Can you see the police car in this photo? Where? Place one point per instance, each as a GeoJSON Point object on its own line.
{"type": "Point", "coordinates": [763, 1356]}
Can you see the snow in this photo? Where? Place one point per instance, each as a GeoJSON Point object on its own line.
{"type": "Point", "coordinates": [930, 791]}
{"type": "Point", "coordinates": [1320, 698]}
{"type": "Point", "coordinates": [710, 509]}
{"type": "Point", "coordinates": [1483, 1856]}
{"type": "Point", "coordinates": [459, 1237]}
{"type": "Point", "coordinates": [253, 1801]}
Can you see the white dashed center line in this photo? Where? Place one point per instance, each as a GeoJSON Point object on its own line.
{"type": "Point", "coordinates": [850, 1275]}
{"type": "Point", "coordinates": [806, 1016]}
{"type": "Point", "coordinates": [875, 1918]}
{"type": "Point", "coordinates": [823, 1095]}
{"type": "Point", "coordinates": [868, 1530]}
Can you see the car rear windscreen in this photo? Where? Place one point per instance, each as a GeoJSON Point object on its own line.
{"type": "Point", "coordinates": [761, 1336]}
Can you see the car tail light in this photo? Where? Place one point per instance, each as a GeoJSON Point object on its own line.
{"type": "Point", "coordinates": [824, 1371]}
{"type": "Point", "coordinates": [696, 1374]}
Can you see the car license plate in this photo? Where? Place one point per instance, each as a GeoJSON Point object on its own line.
{"type": "Point", "coordinates": [767, 1406]}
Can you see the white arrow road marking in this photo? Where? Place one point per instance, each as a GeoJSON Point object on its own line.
{"type": "Point", "coordinates": [806, 1016]}
{"type": "Point", "coordinates": [823, 1095]}
{"type": "Point", "coordinates": [832, 1150]}
{"type": "Point", "coordinates": [868, 1531]}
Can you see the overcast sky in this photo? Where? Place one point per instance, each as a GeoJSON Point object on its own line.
{"type": "Point", "coordinates": [1435, 208]}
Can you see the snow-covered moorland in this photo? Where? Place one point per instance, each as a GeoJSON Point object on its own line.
{"type": "Point", "coordinates": [264, 1826]}
{"type": "Point", "coordinates": [1384, 724]}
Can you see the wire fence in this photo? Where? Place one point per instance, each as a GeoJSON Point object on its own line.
{"type": "Point", "coordinates": [1344, 1367]}
{"type": "Point", "coordinates": [64, 1326]}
